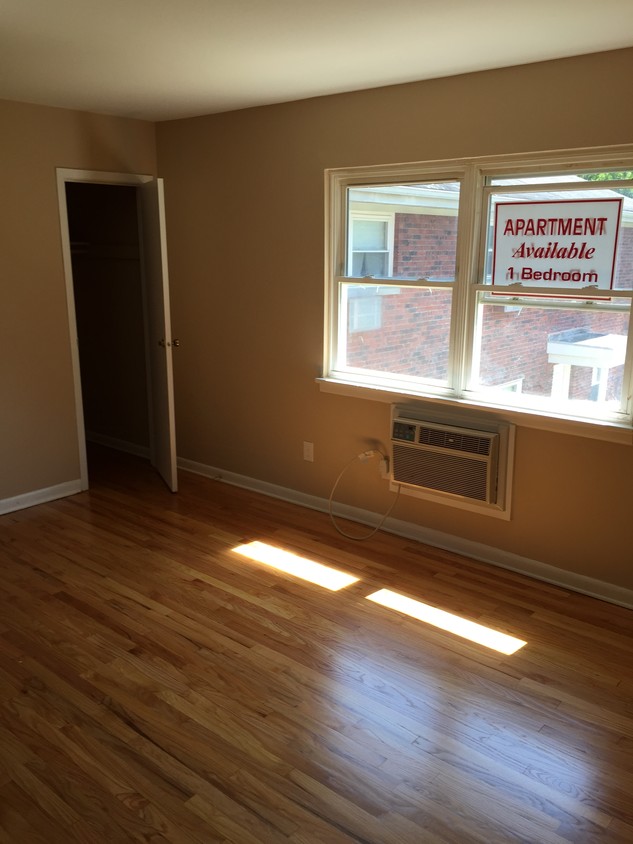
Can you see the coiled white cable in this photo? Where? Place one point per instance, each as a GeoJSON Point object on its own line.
{"type": "Point", "coordinates": [363, 456]}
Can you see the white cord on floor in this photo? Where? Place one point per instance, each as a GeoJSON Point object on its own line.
{"type": "Point", "coordinates": [363, 456]}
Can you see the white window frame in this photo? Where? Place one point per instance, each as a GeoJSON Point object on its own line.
{"type": "Point", "coordinates": [474, 174]}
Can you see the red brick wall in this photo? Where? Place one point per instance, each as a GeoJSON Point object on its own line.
{"type": "Point", "coordinates": [413, 338]}
{"type": "Point", "coordinates": [624, 268]}
{"type": "Point", "coordinates": [425, 246]}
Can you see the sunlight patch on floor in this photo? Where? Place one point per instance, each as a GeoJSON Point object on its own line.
{"type": "Point", "coordinates": [447, 621]}
{"type": "Point", "coordinates": [295, 565]}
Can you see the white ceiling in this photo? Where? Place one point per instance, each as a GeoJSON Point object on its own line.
{"type": "Point", "coordinates": [162, 59]}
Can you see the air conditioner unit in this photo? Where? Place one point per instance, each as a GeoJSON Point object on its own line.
{"type": "Point", "coordinates": [445, 458]}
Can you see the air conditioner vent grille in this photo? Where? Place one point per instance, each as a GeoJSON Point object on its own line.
{"type": "Point", "coordinates": [445, 458]}
{"type": "Point", "coordinates": [456, 474]}
{"type": "Point", "coordinates": [438, 438]}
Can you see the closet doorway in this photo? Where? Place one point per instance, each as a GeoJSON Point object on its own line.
{"type": "Point", "coordinates": [115, 259]}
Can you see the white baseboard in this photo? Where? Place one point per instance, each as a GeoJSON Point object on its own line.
{"type": "Point", "coordinates": [39, 496]}
{"type": "Point", "coordinates": [485, 553]}
{"type": "Point", "coordinates": [119, 445]}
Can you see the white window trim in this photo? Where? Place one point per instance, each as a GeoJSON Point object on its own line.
{"type": "Point", "coordinates": [472, 172]}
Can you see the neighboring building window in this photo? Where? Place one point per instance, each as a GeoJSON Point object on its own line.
{"type": "Point", "coordinates": [370, 245]}
{"type": "Point", "coordinates": [491, 283]}
{"type": "Point", "coordinates": [370, 254]}
{"type": "Point", "coordinates": [364, 308]}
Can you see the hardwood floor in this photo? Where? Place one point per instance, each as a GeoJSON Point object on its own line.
{"type": "Point", "coordinates": [157, 687]}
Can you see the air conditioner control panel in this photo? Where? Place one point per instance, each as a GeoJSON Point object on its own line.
{"type": "Point", "coordinates": [404, 431]}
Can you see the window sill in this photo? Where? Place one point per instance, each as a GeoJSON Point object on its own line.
{"type": "Point", "coordinates": [609, 432]}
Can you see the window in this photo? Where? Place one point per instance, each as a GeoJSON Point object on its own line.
{"type": "Point", "coordinates": [364, 308]}
{"type": "Point", "coordinates": [488, 282]}
{"type": "Point", "coordinates": [370, 244]}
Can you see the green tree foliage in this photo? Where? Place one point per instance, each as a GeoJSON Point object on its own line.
{"type": "Point", "coordinates": [610, 177]}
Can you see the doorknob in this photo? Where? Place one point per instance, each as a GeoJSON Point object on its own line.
{"type": "Point", "coordinates": [175, 342]}
{"type": "Point", "coordinates": [164, 343]}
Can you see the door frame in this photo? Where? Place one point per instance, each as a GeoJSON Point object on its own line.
{"type": "Point", "coordinates": [64, 176]}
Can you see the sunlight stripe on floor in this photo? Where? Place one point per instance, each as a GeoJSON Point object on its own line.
{"type": "Point", "coordinates": [447, 621]}
{"type": "Point", "coordinates": [295, 565]}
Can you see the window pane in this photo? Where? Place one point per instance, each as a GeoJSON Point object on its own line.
{"type": "Point", "coordinates": [410, 336]}
{"type": "Point", "coordinates": [561, 178]}
{"type": "Point", "coordinates": [422, 219]}
{"type": "Point", "coordinates": [369, 235]}
{"type": "Point", "coordinates": [569, 357]}
{"type": "Point", "coordinates": [536, 180]}
{"type": "Point", "coordinates": [370, 263]}
{"type": "Point", "coordinates": [364, 312]}
{"type": "Point", "coordinates": [561, 239]}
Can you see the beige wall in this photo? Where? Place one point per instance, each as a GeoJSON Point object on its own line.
{"type": "Point", "coordinates": [244, 196]}
{"type": "Point", "coordinates": [38, 437]}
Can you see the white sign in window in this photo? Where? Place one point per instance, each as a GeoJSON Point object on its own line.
{"type": "Point", "coordinates": [556, 245]}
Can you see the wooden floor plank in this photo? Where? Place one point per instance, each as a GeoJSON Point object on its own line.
{"type": "Point", "coordinates": [157, 687]}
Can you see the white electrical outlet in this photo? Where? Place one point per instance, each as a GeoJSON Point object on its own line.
{"type": "Point", "coordinates": [308, 452]}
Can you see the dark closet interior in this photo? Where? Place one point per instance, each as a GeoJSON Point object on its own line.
{"type": "Point", "coordinates": [103, 222]}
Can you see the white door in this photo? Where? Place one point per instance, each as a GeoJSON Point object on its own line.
{"type": "Point", "coordinates": [162, 414]}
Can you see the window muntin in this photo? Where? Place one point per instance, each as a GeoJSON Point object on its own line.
{"type": "Point", "coordinates": [465, 349]}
